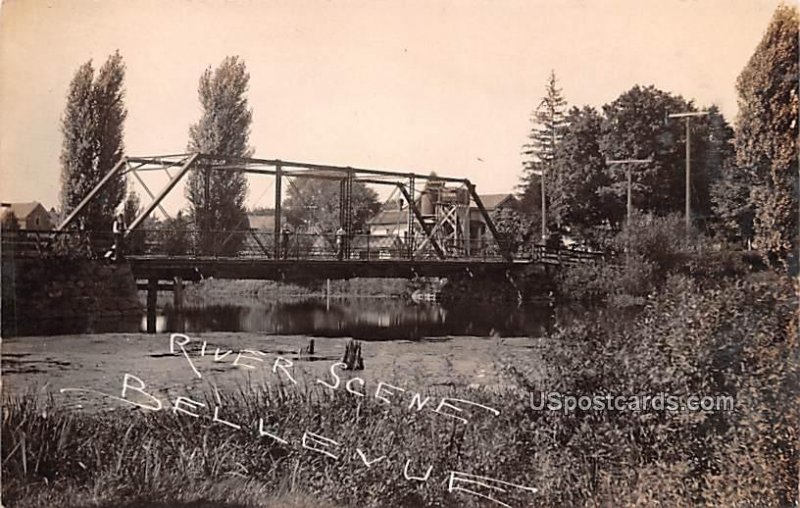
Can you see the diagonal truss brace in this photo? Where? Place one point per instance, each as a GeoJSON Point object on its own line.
{"type": "Point", "coordinates": [132, 170]}
{"type": "Point", "coordinates": [157, 201]}
{"type": "Point", "coordinates": [442, 221]}
{"type": "Point", "coordinates": [482, 209]}
{"type": "Point", "coordinates": [97, 188]}
{"type": "Point", "coordinates": [425, 227]}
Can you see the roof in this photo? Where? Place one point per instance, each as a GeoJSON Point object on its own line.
{"type": "Point", "coordinates": [492, 201]}
{"type": "Point", "coordinates": [390, 216]}
{"type": "Point", "coordinates": [393, 215]}
{"type": "Point", "coordinates": [21, 210]}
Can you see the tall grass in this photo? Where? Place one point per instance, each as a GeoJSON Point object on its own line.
{"type": "Point", "coordinates": [738, 338]}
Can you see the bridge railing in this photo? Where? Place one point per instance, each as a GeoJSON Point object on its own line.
{"type": "Point", "coordinates": [72, 243]}
{"type": "Point", "coordinates": [293, 245]}
{"type": "Point", "coordinates": [261, 244]}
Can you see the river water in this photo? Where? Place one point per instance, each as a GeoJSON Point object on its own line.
{"type": "Point", "coordinates": [361, 318]}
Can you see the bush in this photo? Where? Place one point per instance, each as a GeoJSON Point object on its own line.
{"type": "Point", "coordinates": [739, 339]}
{"type": "Point", "coordinates": [643, 256]}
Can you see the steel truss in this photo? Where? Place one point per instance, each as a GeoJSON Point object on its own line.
{"type": "Point", "coordinates": [346, 175]}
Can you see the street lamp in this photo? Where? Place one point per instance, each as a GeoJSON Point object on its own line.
{"type": "Point", "coordinates": [688, 116]}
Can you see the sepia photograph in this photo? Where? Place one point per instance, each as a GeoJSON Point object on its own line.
{"type": "Point", "coordinates": [399, 253]}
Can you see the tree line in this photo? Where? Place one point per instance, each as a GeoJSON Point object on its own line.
{"type": "Point", "coordinates": [744, 180]}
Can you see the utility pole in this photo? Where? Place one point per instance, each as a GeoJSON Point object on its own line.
{"type": "Point", "coordinates": [627, 163]}
{"type": "Point", "coordinates": [544, 206]}
{"type": "Point", "coordinates": [688, 116]}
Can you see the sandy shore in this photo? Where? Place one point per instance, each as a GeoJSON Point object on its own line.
{"type": "Point", "coordinates": [99, 362]}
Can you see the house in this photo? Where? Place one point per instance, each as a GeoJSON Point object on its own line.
{"type": "Point", "coordinates": [392, 220]}
{"type": "Point", "coordinates": [31, 216]}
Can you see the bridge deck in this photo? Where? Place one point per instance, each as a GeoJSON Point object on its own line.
{"type": "Point", "coordinates": [195, 268]}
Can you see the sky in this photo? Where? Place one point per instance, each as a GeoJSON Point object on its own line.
{"type": "Point", "coordinates": [428, 85]}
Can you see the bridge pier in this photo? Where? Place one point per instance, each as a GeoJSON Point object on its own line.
{"type": "Point", "coordinates": [152, 299]}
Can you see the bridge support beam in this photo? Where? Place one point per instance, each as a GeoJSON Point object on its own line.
{"type": "Point", "coordinates": [500, 242]}
{"type": "Point", "coordinates": [276, 239]}
{"type": "Point", "coordinates": [425, 227]}
{"type": "Point", "coordinates": [78, 209]}
{"type": "Point", "coordinates": [152, 299]}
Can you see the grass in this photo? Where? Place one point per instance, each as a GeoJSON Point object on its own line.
{"type": "Point", "coordinates": [52, 457]}
{"type": "Point", "coordinates": [738, 338]}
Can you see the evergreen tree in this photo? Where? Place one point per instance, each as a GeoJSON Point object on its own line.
{"type": "Point", "coordinates": [766, 135]}
{"type": "Point", "coordinates": [548, 124]}
{"type": "Point", "coordinates": [217, 197]}
{"type": "Point", "coordinates": [92, 127]}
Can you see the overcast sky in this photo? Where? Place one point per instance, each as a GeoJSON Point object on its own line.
{"type": "Point", "coordinates": [425, 85]}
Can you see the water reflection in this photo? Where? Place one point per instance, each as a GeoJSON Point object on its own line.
{"type": "Point", "coordinates": [362, 318]}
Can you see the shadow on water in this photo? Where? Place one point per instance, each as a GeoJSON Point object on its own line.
{"type": "Point", "coordinates": [361, 318]}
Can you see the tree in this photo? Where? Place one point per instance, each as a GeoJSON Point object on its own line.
{"type": "Point", "coordinates": [217, 197]}
{"type": "Point", "coordinates": [174, 236]}
{"type": "Point", "coordinates": [548, 124]}
{"type": "Point", "coordinates": [515, 229]}
{"type": "Point", "coordinates": [313, 204]}
{"type": "Point", "coordinates": [135, 244]}
{"type": "Point", "coordinates": [766, 135]}
{"type": "Point", "coordinates": [636, 127]}
{"type": "Point", "coordinates": [9, 222]}
{"type": "Point", "coordinates": [92, 127]}
{"type": "Point", "coordinates": [581, 162]}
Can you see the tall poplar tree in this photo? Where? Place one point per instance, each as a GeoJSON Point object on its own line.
{"type": "Point", "coordinates": [92, 128]}
{"type": "Point", "coordinates": [217, 197]}
{"type": "Point", "coordinates": [767, 135]}
{"type": "Point", "coordinates": [539, 168]}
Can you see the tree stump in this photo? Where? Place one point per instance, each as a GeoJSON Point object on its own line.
{"type": "Point", "coordinates": [352, 356]}
{"type": "Point", "coordinates": [308, 350]}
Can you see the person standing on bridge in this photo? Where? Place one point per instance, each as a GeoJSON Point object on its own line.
{"type": "Point", "coordinates": [340, 243]}
{"type": "Point", "coordinates": [286, 240]}
{"type": "Point", "coordinates": [118, 229]}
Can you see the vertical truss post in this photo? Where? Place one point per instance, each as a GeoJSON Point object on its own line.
{"type": "Point", "coordinates": [85, 201]}
{"type": "Point", "coordinates": [276, 229]}
{"type": "Point", "coordinates": [500, 242]}
{"type": "Point", "coordinates": [467, 228]}
{"type": "Point", "coordinates": [205, 226]}
{"type": "Point", "coordinates": [425, 227]}
{"type": "Point", "coordinates": [410, 228]}
{"type": "Point", "coordinates": [349, 227]}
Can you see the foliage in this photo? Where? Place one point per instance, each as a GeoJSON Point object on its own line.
{"type": "Point", "coordinates": [217, 197]}
{"type": "Point", "coordinates": [581, 165]}
{"type": "Point", "coordinates": [730, 201]}
{"type": "Point", "coordinates": [642, 256]}
{"type": "Point", "coordinates": [735, 340]}
{"type": "Point", "coordinates": [135, 243]}
{"type": "Point", "coordinates": [312, 204]}
{"type": "Point", "coordinates": [92, 127]}
{"type": "Point", "coordinates": [175, 236]}
{"type": "Point", "coordinates": [767, 130]}
{"type": "Point", "coordinates": [548, 123]}
{"type": "Point", "coordinates": [9, 223]}
{"type": "Point", "coordinates": [636, 126]}
{"type": "Point", "coordinates": [515, 229]}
